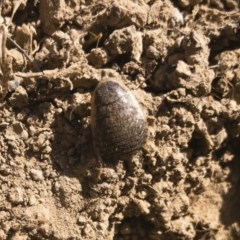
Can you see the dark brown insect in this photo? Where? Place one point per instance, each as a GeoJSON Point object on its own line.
{"type": "Point", "coordinates": [118, 123]}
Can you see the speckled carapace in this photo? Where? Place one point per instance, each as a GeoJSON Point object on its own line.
{"type": "Point", "coordinates": [118, 123]}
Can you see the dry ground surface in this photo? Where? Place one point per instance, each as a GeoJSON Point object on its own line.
{"type": "Point", "coordinates": [181, 59]}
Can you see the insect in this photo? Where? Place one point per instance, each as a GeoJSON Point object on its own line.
{"type": "Point", "coordinates": [118, 123]}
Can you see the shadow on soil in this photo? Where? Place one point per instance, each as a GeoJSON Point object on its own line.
{"type": "Point", "coordinates": [72, 150]}
{"type": "Point", "coordinates": [230, 209]}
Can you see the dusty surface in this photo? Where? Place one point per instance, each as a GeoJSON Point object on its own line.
{"type": "Point", "coordinates": [181, 61]}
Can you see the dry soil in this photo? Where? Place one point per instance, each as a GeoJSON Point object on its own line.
{"type": "Point", "coordinates": [181, 60]}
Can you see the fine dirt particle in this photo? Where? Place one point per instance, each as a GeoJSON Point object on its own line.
{"type": "Point", "coordinates": [180, 59]}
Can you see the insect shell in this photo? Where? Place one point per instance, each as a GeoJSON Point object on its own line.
{"type": "Point", "coordinates": [118, 123]}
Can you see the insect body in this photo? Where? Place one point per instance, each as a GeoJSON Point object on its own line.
{"type": "Point", "coordinates": [118, 123]}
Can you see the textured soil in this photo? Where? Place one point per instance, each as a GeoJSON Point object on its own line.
{"type": "Point", "coordinates": [181, 60]}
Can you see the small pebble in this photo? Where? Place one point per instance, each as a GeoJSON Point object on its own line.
{"type": "Point", "coordinates": [36, 175]}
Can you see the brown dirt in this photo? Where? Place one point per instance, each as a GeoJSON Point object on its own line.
{"type": "Point", "coordinates": [181, 59]}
